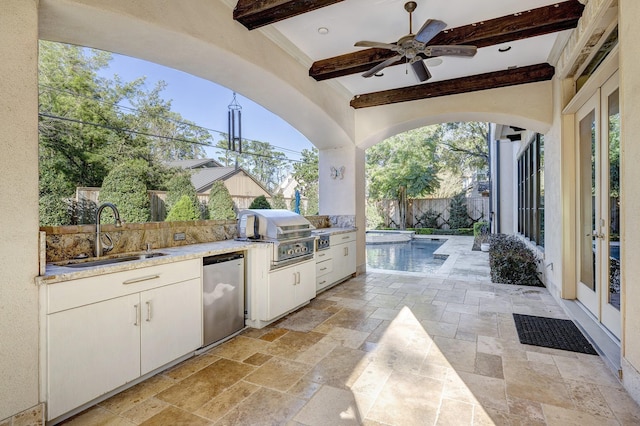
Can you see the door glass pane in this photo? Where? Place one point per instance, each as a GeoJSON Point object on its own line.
{"type": "Point", "coordinates": [614, 200]}
{"type": "Point", "coordinates": [587, 200]}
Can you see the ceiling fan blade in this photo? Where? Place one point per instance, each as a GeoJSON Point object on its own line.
{"type": "Point", "coordinates": [365, 43]}
{"type": "Point", "coordinates": [420, 70]}
{"type": "Point", "coordinates": [429, 30]}
{"type": "Point", "coordinates": [451, 50]}
{"type": "Point", "coordinates": [382, 65]}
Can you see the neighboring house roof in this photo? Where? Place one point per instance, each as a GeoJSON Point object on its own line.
{"type": "Point", "coordinates": [195, 164]}
{"type": "Point", "coordinates": [205, 171]}
{"type": "Point", "coordinates": [203, 178]}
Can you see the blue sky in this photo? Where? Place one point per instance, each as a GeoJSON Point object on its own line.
{"type": "Point", "coordinates": [206, 104]}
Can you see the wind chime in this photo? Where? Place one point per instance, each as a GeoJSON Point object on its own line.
{"type": "Point", "coordinates": [234, 117]}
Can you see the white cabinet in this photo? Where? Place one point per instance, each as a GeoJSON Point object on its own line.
{"type": "Point", "coordinates": [91, 350]}
{"type": "Point", "coordinates": [106, 331]}
{"type": "Point", "coordinates": [170, 323]}
{"type": "Point", "coordinates": [289, 288]}
{"type": "Point", "coordinates": [338, 263]}
{"type": "Point", "coordinates": [344, 260]}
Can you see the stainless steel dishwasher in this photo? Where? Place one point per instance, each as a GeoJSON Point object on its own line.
{"type": "Point", "coordinates": [223, 296]}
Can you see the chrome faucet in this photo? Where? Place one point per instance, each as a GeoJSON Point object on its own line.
{"type": "Point", "coordinates": [100, 247]}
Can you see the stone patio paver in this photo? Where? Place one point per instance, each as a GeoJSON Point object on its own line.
{"type": "Point", "coordinates": [389, 349]}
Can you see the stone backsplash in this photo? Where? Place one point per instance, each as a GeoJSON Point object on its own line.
{"type": "Point", "coordinates": [342, 221]}
{"type": "Point", "coordinates": [70, 242]}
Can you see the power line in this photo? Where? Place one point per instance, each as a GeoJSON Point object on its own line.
{"type": "Point", "coordinates": [170, 138]}
{"type": "Point", "coordinates": [115, 104]}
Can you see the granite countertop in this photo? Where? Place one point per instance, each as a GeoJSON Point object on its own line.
{"type": "Point", "coordinates": [56, 273]}
{"type": "Point", "coordinates": [334, 230]}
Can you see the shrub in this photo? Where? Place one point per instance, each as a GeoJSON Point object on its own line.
{"type": "Point", "coordinates": [183, 210]}
{"type": "Point", "coordinates": [423, 231]}
{"type": "Point", "coordinates": [512, 262]}
{"type": "Point", "coordinates": [220, 203]}
{"type": "Point", "coordinates": [260, 202]}
{"type": "Point", "coordinates": [436, 231]}
{"type": "Point", "coordinates": [178, 186]}
{"type": "Point", "coordinates": [429, 219]}
{"type": "Point", "coordinates": [54, 210]}
{"type": "Point", "coordinates": [126, 187]}
{"type": "Point", "coordinates": [458, 215]}
{"type": "Point", "coordinates": [373, 216]}
{"type": "Point", "coordinates": [480, 228]}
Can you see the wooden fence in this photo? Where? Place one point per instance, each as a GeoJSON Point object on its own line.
{"type": "Point", "coordinates": [418, 209]}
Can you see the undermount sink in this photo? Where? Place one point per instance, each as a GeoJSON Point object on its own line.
{"type": "Point", "coordinates": [108, 261]}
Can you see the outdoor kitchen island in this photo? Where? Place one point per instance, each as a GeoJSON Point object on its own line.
{"type": "Point", "coordinates": [86, 358]}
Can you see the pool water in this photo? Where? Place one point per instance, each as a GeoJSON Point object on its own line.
{"type": "Point", "coordinates": [413, 256]}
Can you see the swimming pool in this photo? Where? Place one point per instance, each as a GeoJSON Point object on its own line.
{"type": "Point", "coordinates": [413, 256]}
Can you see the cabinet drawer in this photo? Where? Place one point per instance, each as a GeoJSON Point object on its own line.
{"type": "Point", "coordinates": [323, 268]}
{"type": "Point", "coordinates": [342, 238]}
{"type": "Point", "coordinates": [71, 294]}
{"type": "Point", "coordinates": [323, 255]}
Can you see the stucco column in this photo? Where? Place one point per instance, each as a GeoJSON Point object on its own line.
{"type": "Point", "coordinates": [19, 206]}
{"type": "Point", "coordinates": [342, 192]}
{"type": "Point", "coordinates": [629, 33]}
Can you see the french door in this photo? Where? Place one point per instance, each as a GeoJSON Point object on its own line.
{"type": "Point", "coordinates": [598, 197]}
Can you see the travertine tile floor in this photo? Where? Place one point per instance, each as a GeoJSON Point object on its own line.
{"type": "Point", "coordinates": [386, 349]}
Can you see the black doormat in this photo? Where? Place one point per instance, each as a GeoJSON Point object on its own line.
{"type": "Point", "coordinates": [552, 333]}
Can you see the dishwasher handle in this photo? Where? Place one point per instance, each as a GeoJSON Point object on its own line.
{"type": "Point", "coordinates": [212, 260]}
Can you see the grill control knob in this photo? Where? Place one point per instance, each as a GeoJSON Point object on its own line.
{"type": "Point", "coordinates": [298, 250]}
{"type": "Point", "coordinates": [305, 249]}
{"type": "Point", "coordinates": [290, 251]}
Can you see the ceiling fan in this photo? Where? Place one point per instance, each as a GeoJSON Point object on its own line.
{"type": "Point", "coordinates": [413, 47]}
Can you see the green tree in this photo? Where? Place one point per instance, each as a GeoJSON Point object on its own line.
{"type": "Point", "coordinates": [458, 215]}
{"type": "Point", "coordinates": [183, 210]}
{"type": "Point", "coordinates": [278, 201]}
{"type": "Point", "coordinates": [126, 187]}
{"type": "Point", "coordinates": [306, 171]}
{"type": "Point", "coordinates": [259, 159]}
{"type": "Point", "coordinates": [178, 186]}
{"type": "Point", "coordinates": [402, 167]}
{"type": "Point", "coordinates": [260, 202]}
{"type": "Point", "coordinates": [220, 203]}
{"type": "Point", "coordinates": [84, 133]}
{"type": "Point", "coordinates": [463, 146]}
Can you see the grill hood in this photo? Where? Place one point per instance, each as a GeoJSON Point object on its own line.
{"type": "Point", "coordinates": [272, 224]}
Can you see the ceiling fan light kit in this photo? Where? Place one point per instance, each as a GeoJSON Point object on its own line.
{"type": "Point", "coordinates": [413, 47]}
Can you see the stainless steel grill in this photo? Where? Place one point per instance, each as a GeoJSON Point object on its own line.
{"type": "Point", "coordinates": [288, 232]}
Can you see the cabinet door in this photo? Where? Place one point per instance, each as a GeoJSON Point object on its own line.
{"type": "Point", "coordinates": [344, 260]}
{"type": "Point", "coordinates": [171, 320]}
{"type": "Point", "coordinates": [281, 291]}
{"type": "Point", "coordinates": [350, 259]}
{"type": "Point", "coordinates": [92, 349]}
{"type": "Point", "coordinates": [306, 286]}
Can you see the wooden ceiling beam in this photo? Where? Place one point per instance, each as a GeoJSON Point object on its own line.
{"type": "Point", "coordinates": [529, 23]}
{"type": "Point", "coordinates": [491, 80]}
{"type": "Point", "coordinates": [258, 13]}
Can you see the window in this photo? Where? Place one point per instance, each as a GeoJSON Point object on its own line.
{"type": "Point", "coordinates": [530, 177]}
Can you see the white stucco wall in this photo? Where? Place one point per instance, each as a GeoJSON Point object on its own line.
{"type": "Point", "coordinates": [553, 208]}
{"type": "Point", "coordinates": [508, 190]}
{"type": "Point", "coordinates": [629, 33]}
{"type": "Point", "coordinates": [19, 206]}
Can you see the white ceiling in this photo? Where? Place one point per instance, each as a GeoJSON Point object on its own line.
{"type": "Point", "coordinates": [386, 21]}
